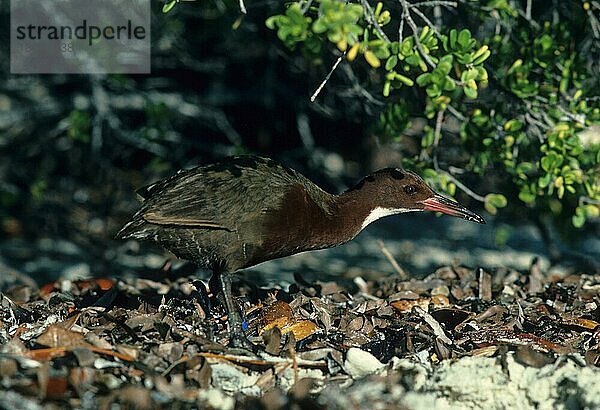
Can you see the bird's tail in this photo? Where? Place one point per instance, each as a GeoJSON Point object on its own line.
{"type": "Point", "coordinates": [137, 228]}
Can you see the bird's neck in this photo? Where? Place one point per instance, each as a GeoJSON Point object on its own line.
{"type": "Point", "coordinates": [356, 209]}
{"type": "Point", "coordinates": [319, 220]}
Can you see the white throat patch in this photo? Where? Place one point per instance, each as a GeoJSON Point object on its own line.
{"type": "Point", "coordinates": [379, 213]}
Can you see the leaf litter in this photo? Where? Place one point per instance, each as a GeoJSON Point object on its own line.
{"type": "Point", "coordinates": [387, 343]}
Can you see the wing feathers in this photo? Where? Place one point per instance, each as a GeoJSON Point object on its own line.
{"type": "Point", "coordinates": [158, 219]}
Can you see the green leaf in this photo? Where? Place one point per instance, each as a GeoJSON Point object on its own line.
{"type": "Point", "coordinates": [386, 88]}
{"type": "Point", "coordinates": [433, 91]}
{"type": "Point", "coordinates": [391, 63]}
{"type": "Point", "coordinates": [464, 37]}
{"type": "Point", "coordinates": [526, 195]}
{"type": "Point", "coordinates": [372, 59]}
{"type": "Point", "coordinates": [544, 181]}
{"type": "Point", "coordinates": [493, 202]}
{"type": "Point", "coordinates": [578, 220]}
{"type": "Point", "coordinates": [423, 79]}
{"type": "Point", "coordinates": [491, 209]}
{"type": "Point", "coordinates": [270, 22]}
{"type": "Point", "coordinates": [513, 125]}
{"type": "Point", "coordinates": [319, 26]}
{"type": "Point", "coordinates": [469, 75]}
{"type": "Point", "coordinates": [444, 67]}
{"type": "Point", "coordinates": [447, 59]}
{"type": "Point", "coordinates": [482, 57]}
{"type": "Point", "coordinates": [427, 139]}
{"type": "Point", "coordinates": [451, 188]}
{"type": "Point", "coordinates": [404, 80]}
{"type": "Point", "coordinates": [482, 73]}
{"type": "Point", "coordinates": [470, 93]}
{"type": "Point", "coordinates": [407, 46]}
{"type": "Point", "coordinates": [449, 84]}
{"type": "Point", "coordinates": [551, 161]}
{"type": "Point", "coordinates": [453, 38]}
{"type": "Point", "coordinates": [497, 200]}
{"type": "Point", "coordinates": [167, 7]}
{"type": "Point", "coordinates": [413, 59]}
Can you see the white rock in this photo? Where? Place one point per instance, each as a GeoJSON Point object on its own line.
{"type": "Point", "coordinates": [231, 379]}
{"type": "Point", "coordinates": [216, 399]}
{"type": "Point", "coordinates": [359, 363]}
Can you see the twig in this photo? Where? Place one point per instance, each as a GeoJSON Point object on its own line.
{"type": "Point", "coordinates": [434, 324]}
{"type": "Point", "coordinates": [415, 31]}
{"type": "Point", "coordinates": [456, 113]}
{"type": "Point", "coordinates": [437, 135]}
{"type": "Point", "coordinates": [437, 15]}
{"type": "Point", "coordinates": [434, 3]}
{"type": "Point", "coordinates": [243, 7]}
{"type": "Point", "coordinates": [358, 88]}
{"type": "Point", "coordinates": [318, 90]}
{"type": "Point", "coordinates": [303, 126]}
{"type": "Point", "coordinates": [463, 187]}
{"type": "Point", "coordinates": [263, 361]}
{"type": "Point", "coordinates": [392, 260]}
{"type": "Point", "coordinates": [401, 28]}
{"type": "Point", "coordinates": [292, 351]}
{"type": "Point", "coordinates": [371, 19]}
{"type": "Point", "coordinates": [594, 22]}
{"type": "Point", "coordinates": [587, 200]}
{"type": "Point", "coordinates": [306, 7]}
{"type": "Point", "coordinates": [426, 20]}
{"type": "Point", "coordinates": [529, 20]}
{"type": "Point", "coordinates": [436, 140]}
{"type": "Point", "coordinates": [537, 126]}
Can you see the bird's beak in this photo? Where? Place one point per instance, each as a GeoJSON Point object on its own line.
{"type": "Point", "coordinates": [438, 203]}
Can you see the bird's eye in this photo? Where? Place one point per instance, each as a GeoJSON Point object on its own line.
{"type": "Point", "coordinates": [410, 189]}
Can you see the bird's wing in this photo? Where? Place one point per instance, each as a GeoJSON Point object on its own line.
{"type": "Point", "coordinates": [217, 196]}
{"type": "Point", "coordinates": [161, 219]}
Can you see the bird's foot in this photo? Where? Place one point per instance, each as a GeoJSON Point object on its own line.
{"type": "Point", "coordinates": [238, 340]}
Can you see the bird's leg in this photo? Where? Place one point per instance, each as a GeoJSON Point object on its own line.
{"type": "Point", "coordinates": [237, 338]}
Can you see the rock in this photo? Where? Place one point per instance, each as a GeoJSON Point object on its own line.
{"type": "Point", "coordinates": [231, 379]}
{"type": "Point", "coordinates": [359, 363]}
{"type": "Point", "coordinates": [215, 399]}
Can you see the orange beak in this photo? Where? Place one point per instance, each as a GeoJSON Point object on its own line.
{"type": "Point", "coordinates": [438, 203]}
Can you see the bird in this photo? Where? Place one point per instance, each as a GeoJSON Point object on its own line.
{"type": "Point", "coordinates": [244, 210]}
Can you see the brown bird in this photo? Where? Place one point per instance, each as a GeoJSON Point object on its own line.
{"type": "Point", "coordinates": [246, 210]}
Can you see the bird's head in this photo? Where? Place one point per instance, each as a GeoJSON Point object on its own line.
{"type": "Point", "coordinates": [392, 191]}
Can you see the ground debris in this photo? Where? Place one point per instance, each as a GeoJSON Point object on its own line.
{"type": "Point", "coordinates": [382, 342]}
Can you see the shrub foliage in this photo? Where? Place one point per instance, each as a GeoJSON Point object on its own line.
{"type": "Point", "coordinates": [510, 90]}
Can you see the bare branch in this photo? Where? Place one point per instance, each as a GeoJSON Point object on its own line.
{"type": "Point", "coordinates": [415, 31]}
{"type": "Point", "coordinates": [392, 260]}
{"type": "Point", "coordinates": [320, 87]}
{"type": "Point", "coordinates": [436, 136]}
{"type": "Point", "coordinates": [436, 140]}
{"type": "Point", "coordinates": [463, 187]}
{"type": "Point", "coordinates": [306, 6]}
{"type": "Point", "coordinates": [359, 89]}
{"type": "Point", "coordinates": [587, 200]}
{"type": "Point", "coordinates": [371, 19]}
{"type": "Point", "coordinates": [401, 28]}
{"type": "Point", "coordinates": [456, 113]}
{"type": "Point", "coordinates": [426, 20]}
{"type": "Point", "coordinates": [438, 330]}
{"type": "Point", "coordinates": [433, 3]}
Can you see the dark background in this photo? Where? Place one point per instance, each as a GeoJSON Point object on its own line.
{"type": "Point", "coordinates": [73, 148]}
